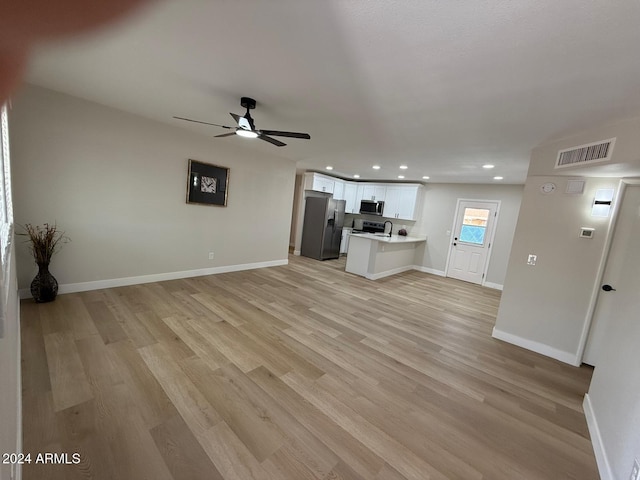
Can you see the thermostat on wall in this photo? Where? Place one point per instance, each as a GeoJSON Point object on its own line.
{"type": "Point", "coordinates": [586, 232]}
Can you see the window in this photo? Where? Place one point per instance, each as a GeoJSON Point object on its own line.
{"type": "Point", "coordinates": [474, 225]}
{"type": "Point", "coordinates": [6, 215]}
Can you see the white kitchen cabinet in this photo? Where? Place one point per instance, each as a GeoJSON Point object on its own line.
{"type": "Point", "coordinates": [350, 195]}
{"type": "Point", "coordinates": [338, 189]}
{"type": "Point", "coordinates": [344, 244]}
{"type": "Point", "coordinates": [401, 201]}
{"type": "Point", "coordinates": [373, 192]}
{"type": "Point", "coordinates": [319, 183]}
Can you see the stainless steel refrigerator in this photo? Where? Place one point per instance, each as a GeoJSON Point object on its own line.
{"type": "Point", "coordinates": [322, 228]}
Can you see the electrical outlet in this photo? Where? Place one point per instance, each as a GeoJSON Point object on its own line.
{"type": "Point", "coordinates": [210, 255]}
{"type": "Point", "coordinates": [635, 472]}
{"type": "Point", "coordinates": [532, 259]}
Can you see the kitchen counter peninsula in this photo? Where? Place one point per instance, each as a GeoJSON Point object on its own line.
{"type": "Point", "coordinates": [375, 256]}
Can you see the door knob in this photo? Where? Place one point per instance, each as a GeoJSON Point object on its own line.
{"type": "Point", "coordinates": [608, 288]}
{"type": "Point", "coordinates": [454, 244]}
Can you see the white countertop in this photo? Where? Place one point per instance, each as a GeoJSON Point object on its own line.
{"type": "Point", "coordinates": [389, 239]}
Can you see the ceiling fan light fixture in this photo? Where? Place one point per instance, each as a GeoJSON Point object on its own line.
{"type": "Point", "coordinates": [246, 133]}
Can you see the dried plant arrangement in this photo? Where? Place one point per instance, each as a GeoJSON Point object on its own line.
{"type": "Point", "coordinates": [44, 241]}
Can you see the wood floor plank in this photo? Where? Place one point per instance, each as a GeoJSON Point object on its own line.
{"type": "Point", "coordinates": [344, 445]}
{"type": "Point", "coordinates": [69, 383]}
{"type": "Point", "coordinates": [192, 405]}
{"type": "Point", "coordinates": [251, 423]}
{"type": "Point", "coordinates": [35, 368]}
{"type": "Point", "coordinates": [182, 453]}
{"type": "Point", "coordinates": [295, 372]}
{"type": "Point", "coordinates": [152, 403]}
{"type": "Point", "coordinates": [409, 464]}
{"type": "Point", "coordinates": [231, 456]}
{"type": "Point", "coordinates": [109, 328]}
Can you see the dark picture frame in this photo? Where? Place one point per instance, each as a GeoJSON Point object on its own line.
{"type": "Point", "coordinates": [207, 184]}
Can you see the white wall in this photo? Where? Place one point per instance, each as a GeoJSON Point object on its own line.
{"type": "Point", "coordinates": [116, 183]}
{"type": "Point", "coordinates": [548, 304]}
{"type": "Point", "coordinates": [438, 213]}
{"type": "Point", "coordinates": [10, 398]}
{"type": "Point", "coordinates": [546, 307]}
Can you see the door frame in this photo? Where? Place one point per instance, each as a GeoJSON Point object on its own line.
{"type": "Point", "coordinates": [595, 291]}
{"type": "Point", "coordinates": [491, 239]}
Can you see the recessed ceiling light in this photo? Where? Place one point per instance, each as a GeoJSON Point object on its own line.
{"type": "Point", "coordinates": [403, 167]}
{"type": "Point", "coordinates": [488, 166]}
{"type": "Point", "coordinates": [356, 176]}
{"type": "Point", "coordinates": [329, 167]}
{"type": "Point", "coordinates": [425, 178]}
{"type": "Point", "coordinates": [376, 167]}
{"type": "Point", "coordinates": [400, 176]}
{"type": "Point", "coordinates": [498, 178]}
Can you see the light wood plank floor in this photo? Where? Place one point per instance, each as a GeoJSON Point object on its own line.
{"type": "Point", "coordinates": [293, 373]}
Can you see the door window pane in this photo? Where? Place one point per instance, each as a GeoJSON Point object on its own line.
{"type": "Point", "coordinates": [474, 225]}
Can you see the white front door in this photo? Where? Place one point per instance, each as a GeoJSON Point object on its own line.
{"type": "Point", "coordinates": [621, 273]}
{"type": "Point", "coordinates": [471, 240]}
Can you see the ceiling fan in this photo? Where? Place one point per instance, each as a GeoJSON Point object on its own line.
{"type": "Point", "coordinates": [246, 127]}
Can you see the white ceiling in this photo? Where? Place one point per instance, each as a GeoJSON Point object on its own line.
{"type": "Point", "coordinates": [441, 86]}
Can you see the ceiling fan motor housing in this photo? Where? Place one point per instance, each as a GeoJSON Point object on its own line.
{"type": "Point", "coordinates": [248, 103]}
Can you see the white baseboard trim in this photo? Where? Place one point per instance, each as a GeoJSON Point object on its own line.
{"type": "Point", "coordinates": [566, 357]}
{"type": "Point", "coordinates": [432, 271]}
{"type": "Point", "coordinates": [604, 467]}
{"type": "Point", "coordinates": [442, 273]}
{"type": "Point", "coordinates": [387, 273]}
{"type": "Point", "coordinates": [158, 277]}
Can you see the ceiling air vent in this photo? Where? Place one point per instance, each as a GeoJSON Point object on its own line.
{"type": "Point", "coordinates": [585, 154]}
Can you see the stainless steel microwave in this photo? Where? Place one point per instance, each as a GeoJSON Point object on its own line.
{"type": "Point", "coordinates": [370, 207]}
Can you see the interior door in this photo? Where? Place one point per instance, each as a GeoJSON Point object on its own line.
{"type": "Point", "coordinates": [473, 229]}
{"type": "Point", "coordinates": [620, 274]}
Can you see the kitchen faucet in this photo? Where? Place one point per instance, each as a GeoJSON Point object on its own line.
{"type": "Point", "coordinates": [390, 223]}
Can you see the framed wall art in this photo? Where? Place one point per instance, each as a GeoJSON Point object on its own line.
{"type": "Point", "coordinates": [207, 184]}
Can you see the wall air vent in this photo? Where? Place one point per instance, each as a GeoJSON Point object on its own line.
{"type": "Point", "coordinates": [586, 154]}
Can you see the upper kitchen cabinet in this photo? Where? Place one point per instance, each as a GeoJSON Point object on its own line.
{"type": "Point", "coordinates": [319, 183]}
{"type": "Point", "coordinates": [401, 201]}
{"type": "Point", "coordinates": [338, 189]}
{"type": "Point", "coordinates": [371, 191]}
{"type": "Point", "coordinates": [351, 198]}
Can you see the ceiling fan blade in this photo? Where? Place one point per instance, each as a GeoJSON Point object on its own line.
{"type": "Point", "coordinates": [235, 117]}
{"type": "Point", "coordinates": [287, 134]}
{"type": "Point", "coordinates": [225, 135]}
{"type": "Point", "coordinates": [277, 143]}
{"type": "Point", "coordinates": [205, 123]}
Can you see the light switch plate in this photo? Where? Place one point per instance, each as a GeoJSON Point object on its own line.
{"type": "Point", "coordinates": [532, 259]}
